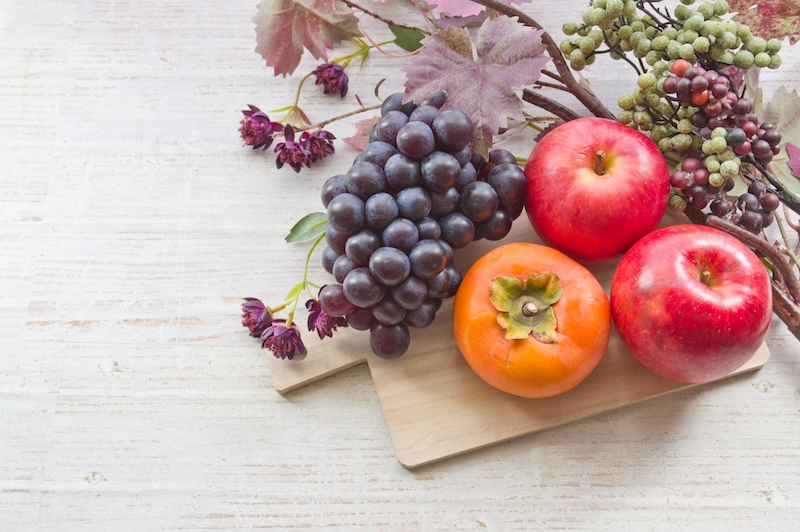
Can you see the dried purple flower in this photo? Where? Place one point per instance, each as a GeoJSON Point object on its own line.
{"type": "Point", "coordinates": [332, 78]}
{"type": "Point", "coordinates": [284, 342]}
{"type": "Point", "coordinates": [257, 129]}
{"type": "Point", "coordinates": [255, 316]}
{"type": "Point", "coordinates": [318, 144]}
{"type": "Point", "coordinates": [321, 321]}
{"type": "Point", "coordinates": [290, 152]}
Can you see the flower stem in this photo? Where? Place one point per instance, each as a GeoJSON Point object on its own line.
{"type": "Point", "coordinates": [363, 51]}
{"type": "Point", "coordinates": [339, 117]}
{"type": "Point", "coordinates": [305, 284]}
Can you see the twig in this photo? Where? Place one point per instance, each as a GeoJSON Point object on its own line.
{"type": "Point", "coordinates": [589, 100]}
{"type": "Point", "coordinates": [558, 109]}
{"type": "Point", "coordinates": [778, 260]}
{"type": "Point", "coordinates": [552, 75]}
{"type": "Point", "coordinates": [551, 85]}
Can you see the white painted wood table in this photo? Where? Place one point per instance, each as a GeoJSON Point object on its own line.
{"type": "Point", "coordinates": [132, 221]}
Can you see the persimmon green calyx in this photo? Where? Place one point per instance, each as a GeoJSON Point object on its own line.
{"type": "Point", "coordinates": [525, 306]}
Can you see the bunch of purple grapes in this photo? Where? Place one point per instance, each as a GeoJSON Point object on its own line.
{"type": "Point", "coordinates": [415, 193]}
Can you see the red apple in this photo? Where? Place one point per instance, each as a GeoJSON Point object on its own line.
{"type": "Point", "coordinates": [691, 303]}
{"type": "Point", "coordinates": [595, 187]}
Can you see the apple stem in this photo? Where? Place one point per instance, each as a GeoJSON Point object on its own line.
{"type": "Point", "coordinates": [705, 277]}
{"type": "Point", "coordinates": [598, 166]}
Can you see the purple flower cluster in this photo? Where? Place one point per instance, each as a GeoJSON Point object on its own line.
{"type": "Point", "coordinates": [257, 129]}
{"type": "Point", "coordinates": [284, 339]}
{"type": "Point", "coordinates": [321, 321]}
{"type": "Point", "coordinates": [284, 342]}
{"type": "Point", "coordinates": [310, 148]}
{"type": "Point", "coordinates": [332, 78]}
{"type": "Point", "coordinates": [255, 316]}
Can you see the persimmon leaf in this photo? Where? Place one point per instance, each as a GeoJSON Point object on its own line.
{"type": "Point", "coordinates": [361, 137]}
{"type": "Point", "coordinates": [285, 27]}
{"type": "Point", "coordinates": [479, 79]}
{"type": "Point", "coordinates": [464, 8]}
{"type": "Point", "coordinates": [769, 18]}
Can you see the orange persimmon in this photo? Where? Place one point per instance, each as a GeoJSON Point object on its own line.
{"type": "Point", "coordinates": [531, 321]}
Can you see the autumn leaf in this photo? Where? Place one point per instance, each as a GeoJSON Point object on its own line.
{"type": "Point", "coordinates": [464, 8]}
{"type": "Point", "coordinates": [285, 27]}
{"type": "Point", "coordinates": [794, 159]}
{"type": "Point", "coordinates": [509, 55]}
{"type": "Point", "coordinates": [361, 137]}
{"type": "Point", "coordinates": [769, 18]}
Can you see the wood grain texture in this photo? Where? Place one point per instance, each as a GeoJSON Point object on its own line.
{"type": "Point", "coordinates": [132, 221]}
{"type": "Point", "coordinates": [468, 413]}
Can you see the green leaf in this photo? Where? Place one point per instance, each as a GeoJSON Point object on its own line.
{"type": "Point", "coordinates": [308, 228]}
{"type": "Point", "coordinates": [408, 40]}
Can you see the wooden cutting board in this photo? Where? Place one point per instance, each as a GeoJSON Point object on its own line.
{"type": "Point", "coordinates": [436, 407]}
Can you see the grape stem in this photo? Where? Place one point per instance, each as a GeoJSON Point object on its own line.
{"type": "Point", "coordinates": [589, 100]}
{"type": "Point", "coordinates": [659, 25]}
{"type": "Point", "coordinates": [612, 48]}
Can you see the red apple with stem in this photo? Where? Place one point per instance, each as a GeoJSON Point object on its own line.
{"type": "Point", "coordinates": [595, 187]}
{"type": "Point", "coordinates": [691, 303]}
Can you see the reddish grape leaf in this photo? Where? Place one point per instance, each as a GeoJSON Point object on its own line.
{"type": "Point", "coordinates": [508, 55]}
{"type": "Point", "coordinates": [794, 159]}
{"type": "Point", "coordinates": [361, 137]}
{"type": "Point", "coordinates": [464, 8]}
{"type": "Point", "coordinates": [472, 21]}
{"type": "Point", "coordinates": [285, 27]}
{"type": "Point", "coordinates": [769, 18]}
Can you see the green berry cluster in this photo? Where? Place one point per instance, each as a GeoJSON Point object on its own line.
{"type": "Point", "coordinates": [639, 27]}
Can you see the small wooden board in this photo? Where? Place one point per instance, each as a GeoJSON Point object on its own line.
{"type": "Point", "coordinates": [436, 407]}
